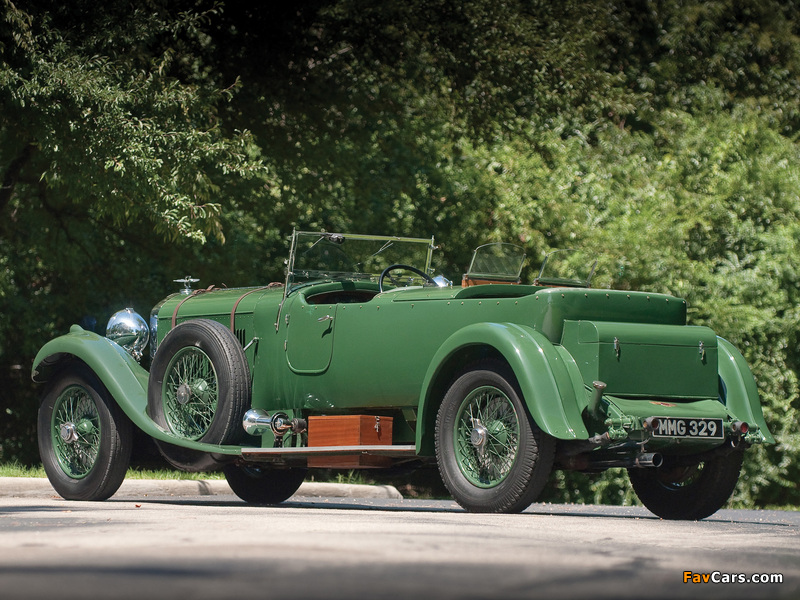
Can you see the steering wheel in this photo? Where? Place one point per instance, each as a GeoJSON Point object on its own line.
{"type": "Point", "coordinates": [394, 267]}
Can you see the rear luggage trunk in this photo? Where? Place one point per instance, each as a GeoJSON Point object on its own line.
{"type": "Point", "coordinates": [638, 360]}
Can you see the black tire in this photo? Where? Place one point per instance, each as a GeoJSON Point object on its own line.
{"type": "Point", "coordinates": [257, 485]}
{"type": "Point", "coordinates": [85, 439]}
{"type": "Point", "coordinates": [191, 461]}
{"type": "Point", "coordinates": [503, 464]}
{"type": "Point", "coordinates": [199, 385]}
{"type": "Point", "coordinates": [688, 493]}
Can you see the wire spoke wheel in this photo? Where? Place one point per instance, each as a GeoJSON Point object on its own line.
{"type": "Point", "coordinates": [75, 431]}
{"type": "Point", "coordinates": [190, 393]}
{"type": "Point", "coordinates": [199, 390]}
{"type": "Point", "coordinates": [491, 455]}
{"type": "Point", "coordinates": [85, 439]}
{"type": "Point", "coordinates": [486, 436]}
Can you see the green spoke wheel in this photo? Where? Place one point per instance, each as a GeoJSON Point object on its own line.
{"type": "Point", "coordinates": [199, 390]}
{"type": "Point", "coordinates": [491, 455]}
{"type": "Point", "coordinates": [84, 438]}
{"type": "Point", "coordinates": [190, 393]}
{"type": "Point", "coordinates": [75, 430]}
{"type": "Point", "coordinates": [487, 436]}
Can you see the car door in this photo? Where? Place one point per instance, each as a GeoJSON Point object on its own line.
{"type": "Point", "coordinates": [309, 337]}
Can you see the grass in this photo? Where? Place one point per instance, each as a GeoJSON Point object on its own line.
{"type": "Point", "coordinates": [17, 470]}
{"type": "Point", "coordinates": [349, 477]}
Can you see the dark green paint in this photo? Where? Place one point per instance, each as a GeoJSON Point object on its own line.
{"type": "Point", "coordinates": [623, 354]}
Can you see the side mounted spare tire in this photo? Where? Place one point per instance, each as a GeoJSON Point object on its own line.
{"type": "Point", "coordinates": [199, 387]}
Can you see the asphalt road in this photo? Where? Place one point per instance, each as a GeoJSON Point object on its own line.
{"type": "Point", "coordinates": [145, 546]}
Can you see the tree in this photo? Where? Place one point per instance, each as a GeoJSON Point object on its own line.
{"type": "Point", "coordinates": [109, 135]}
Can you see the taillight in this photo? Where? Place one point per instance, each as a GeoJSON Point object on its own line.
{"type": "Point", "coordinates": [740, 427]}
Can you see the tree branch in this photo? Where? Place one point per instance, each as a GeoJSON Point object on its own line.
{"type": "Point", "coordinates": [12, 175]}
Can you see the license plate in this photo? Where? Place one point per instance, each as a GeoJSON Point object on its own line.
{"type": "Point", "coordinates": [689, 428]}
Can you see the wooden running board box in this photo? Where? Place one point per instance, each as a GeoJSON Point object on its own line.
{"type": "Point", "coordinates": [349, 430]}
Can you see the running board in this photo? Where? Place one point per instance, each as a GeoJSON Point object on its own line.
{"type": "Point", "coordinates": [290, 452]}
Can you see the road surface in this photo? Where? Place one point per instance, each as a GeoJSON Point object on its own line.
{"type": "Point", "coordinates": [148, 547]}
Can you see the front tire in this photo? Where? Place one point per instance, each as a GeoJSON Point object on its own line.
{"type": "Point", "coordinates": [690, 493]}
{"type": "Point", "coordinates": [85, 439]}
{"type": "Point", "coordinates": [257, 485]}
{"type": "Point", "coordinates": [491, 456]}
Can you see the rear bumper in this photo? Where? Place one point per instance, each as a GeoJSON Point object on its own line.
{"type": "Point", "coordinates": [633, 419]}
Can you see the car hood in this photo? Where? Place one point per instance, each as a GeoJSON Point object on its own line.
{"type": "Point", "coordinates": [216, 303]}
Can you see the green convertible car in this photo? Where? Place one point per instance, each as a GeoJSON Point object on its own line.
{"type": "Point", "coordinates": [362, 359]}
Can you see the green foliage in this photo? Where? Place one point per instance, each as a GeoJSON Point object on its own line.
{"type": "Point", "coordinates": [707, 207]}
{"type": "Point", "coordinates": [131, 141]}
{"type": "Point", "coordinates": [661, 135]}
{"type": "Point", "coordinates": [110, 138]}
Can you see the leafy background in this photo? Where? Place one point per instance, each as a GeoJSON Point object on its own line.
{"type": "Point", "coordinates": [143, 141]}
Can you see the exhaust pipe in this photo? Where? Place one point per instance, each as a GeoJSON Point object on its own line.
{"type": "Point", "coordinates": [587, 461]}
{"type": "Point", "coordinates": [594, 402]}
{"type": "Point", "coordinates": [648, 459]}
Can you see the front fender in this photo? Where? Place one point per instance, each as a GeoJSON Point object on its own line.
{"type": "Point", "coordinates": [741, 392]}
{"type": "Point", "coordinates": [122, 376]}
{"type": "Point", "coordinates": [554, 396]}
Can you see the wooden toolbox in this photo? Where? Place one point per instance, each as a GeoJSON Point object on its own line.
{"type": "Point", "coordinates": [349, 430]}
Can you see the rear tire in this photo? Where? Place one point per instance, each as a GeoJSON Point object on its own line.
{"type": "Point", "coordinates": [491, 455]}
{"type": "Point", "coordinates": [85, 439]}
{"type": "Point", "coordinates": [257, 485]}
{"type": "Point", "coordinates": [690, 493]}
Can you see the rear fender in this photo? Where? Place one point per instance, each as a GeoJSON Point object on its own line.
{"type": "Point", "coordinates": [122, 376]}
{"type": "Point", "coordinates": [554, 395]}
{"type": "Point", "coordinates": [741, 392]}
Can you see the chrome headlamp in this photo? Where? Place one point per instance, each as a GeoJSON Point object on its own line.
{"type": "Point", "coordinates": [128, 329]}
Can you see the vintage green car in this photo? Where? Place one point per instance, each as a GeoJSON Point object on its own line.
{"type": "Point", "coordinates": [362, 359]}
